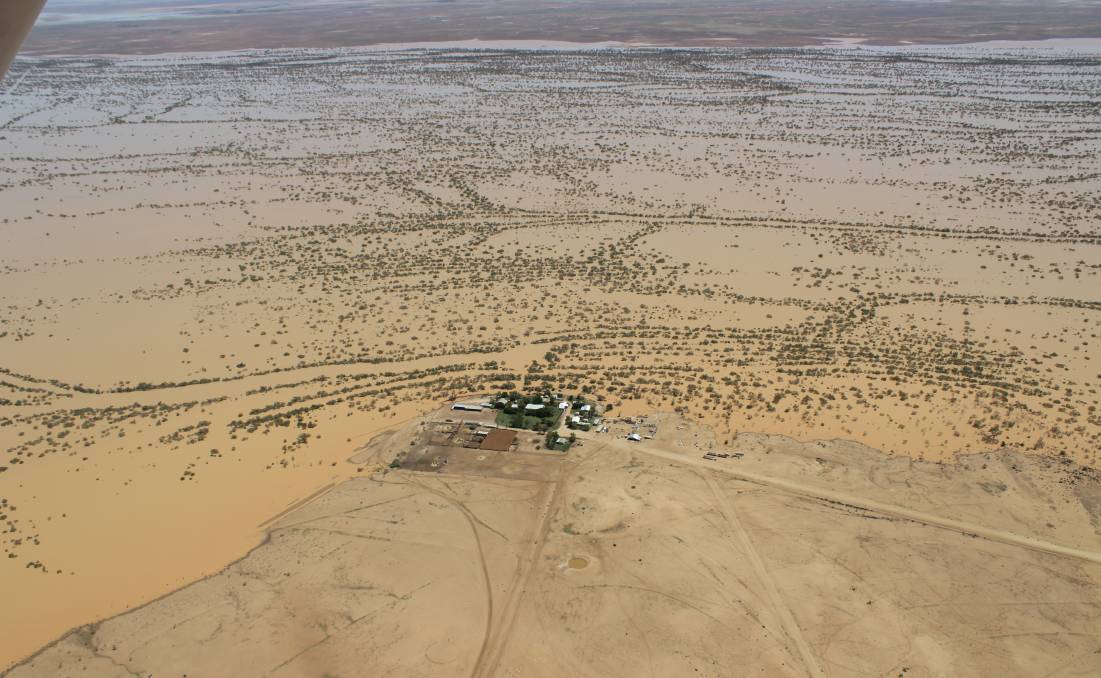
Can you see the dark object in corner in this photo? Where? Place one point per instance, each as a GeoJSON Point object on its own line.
{"type": "Point", "coordinates": [16, 19]}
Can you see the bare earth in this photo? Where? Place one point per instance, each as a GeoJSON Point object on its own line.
{"type": "Point", "coordinates": [625, 559]}
{"type": "Point", "coordinates": [222, 275]}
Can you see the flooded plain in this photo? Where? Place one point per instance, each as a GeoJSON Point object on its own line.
{"type": "Point", "coordinates": [221, 275]}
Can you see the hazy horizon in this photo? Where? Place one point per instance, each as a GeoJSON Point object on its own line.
{"type": "Point", "coordinates": [152, 26]}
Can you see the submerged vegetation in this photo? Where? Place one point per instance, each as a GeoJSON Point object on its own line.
{"type": "Point", "coordinates": [229, 272]}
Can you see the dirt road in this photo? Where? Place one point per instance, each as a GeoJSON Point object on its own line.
{"type": "Point", "coordinates": [783, 612]}
{"type": "Point", "coordinates": [871, 505]}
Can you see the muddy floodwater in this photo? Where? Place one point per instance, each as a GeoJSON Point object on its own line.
{"type": "Point", "coordinates": [222, 275]}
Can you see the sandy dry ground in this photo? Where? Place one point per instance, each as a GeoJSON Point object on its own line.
{"type": "Point", "coordinates": [624, 559]}
{"type": "Point", "coordinates": [221, 275]}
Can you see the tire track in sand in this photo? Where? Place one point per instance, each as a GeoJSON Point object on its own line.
{"type": "Point", "coordinates": [799, 489]}
{"type": "Point", "coordinates": [498, 639]}
{"type": "Point", "coordinates": [783, 612]}
{"type": "Point", "coordinates": [473, 523]}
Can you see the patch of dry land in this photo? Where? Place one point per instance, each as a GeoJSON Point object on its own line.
{"type": "Point", "coordinates": [650, 558]}
{"type": "Point", "coordinates": [231, 286]}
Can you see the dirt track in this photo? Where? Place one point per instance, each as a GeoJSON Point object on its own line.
{"type": "Point", "coordinates": [221, 273]}
{"type": "Point", "coordinates": [780, 607]}
{"type": "Point", "coordinates": [624, 559]}
{"type": "Point", "coordinates": [969, 529]}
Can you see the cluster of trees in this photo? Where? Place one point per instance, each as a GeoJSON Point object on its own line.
{"type": "Point", "coordinates": [513, 411]}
